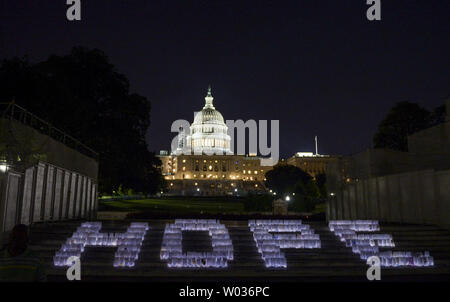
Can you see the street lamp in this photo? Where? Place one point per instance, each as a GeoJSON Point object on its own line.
{"type": "Point", "coordinates": [3, 168]}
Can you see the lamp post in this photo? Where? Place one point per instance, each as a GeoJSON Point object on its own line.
{"type": "Point", "coordinates": [3, 168]}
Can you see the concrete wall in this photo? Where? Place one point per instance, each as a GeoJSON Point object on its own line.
{"type": "Point", "coordinates": [27, 140]}
{"type": "Point", "coordinates": [442, 190]}
{"type": "Point", "coordinates": [421, 197]}
{"type": "Point", "coordinates": [9, 200]}
{"type": "Point", "coordinates": [378, 162]}
{"type": "Point", "coordinates": [431, 147]}
{"type": "Point", "coordinates": [45, 193]}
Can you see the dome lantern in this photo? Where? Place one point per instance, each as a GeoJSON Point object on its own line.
{"type": "Point", "coordinates": [208, 133]}
{"type": "Point", "coordinates": [209, 99]}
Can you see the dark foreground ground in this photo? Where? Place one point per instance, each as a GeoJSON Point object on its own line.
{"type": "Point", "coordinates": [333, 262]}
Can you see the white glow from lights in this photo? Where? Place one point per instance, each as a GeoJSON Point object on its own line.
{"type": "Point", "coordinates": [269, 245]}
{"type": "Point", "coordinates": [287, 198]}
{"type": "Point", "coordinates": [88, 234]}
{"type": "Point", "coordinates": [3, 168]}
{"type": "Point", "coordinates": [367, 245]}
{"type": "Point", "coordinates": [304, 154]}
{"type": "Point", "coordinates": [171, 249]}
{"type": "Point", "coordinates": [270, 236]}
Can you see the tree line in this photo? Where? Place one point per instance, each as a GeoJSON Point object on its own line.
{"type": "Point", "coordinates": [84, 95]}
{"type": "Point", "coordinates": [403, 119]}
{"type": "Point", "coordinates": [304, 191]}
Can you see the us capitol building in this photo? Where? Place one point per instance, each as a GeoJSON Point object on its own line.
{"type": "Point", "coordinates": [203, 163]}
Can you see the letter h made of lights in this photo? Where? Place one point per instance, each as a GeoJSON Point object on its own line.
{"type": "Point", "coordinates": [88, 235]}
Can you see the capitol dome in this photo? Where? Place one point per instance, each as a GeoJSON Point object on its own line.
{"type": "Point", "coordinates": [208, 133]}
{"type": "Point", "coordinates": [209, 115]}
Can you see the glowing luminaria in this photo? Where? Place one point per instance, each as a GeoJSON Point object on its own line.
{"type": "Point", "coordinates": [88, 234]}
{"type": "Point", "coordinates": [171, 250]}
{"type": "Point", "coordinates": [367, 245]}
{"type": "Point", "coordinates": [269, 245]}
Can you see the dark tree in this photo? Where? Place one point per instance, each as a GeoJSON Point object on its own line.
{"type": "Point", "coordinates": [307, 195]}
{"type": "Point", "coordinates": [438, 116]}
{"type": "Point", "coordinates": [288, 179]}
{"type": "Point", "coordinates": [283, 178]}
{"type": "Point", "coordinates": [321, 180]}
{"type": "Point", "coordinates": [404, 119]}
{"type": "Point", "coordinates": [84, 95]}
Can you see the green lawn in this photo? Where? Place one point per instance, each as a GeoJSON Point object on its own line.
{"type": "Point", "coordinates": [187, 205]}
{"type": "Point", "coordinates": [175, 205]}
{"type": "Point", "coordinates": [320, 208]}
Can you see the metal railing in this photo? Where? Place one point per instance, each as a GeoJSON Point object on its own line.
{"type": "Point", "coordinates": [13, 111]}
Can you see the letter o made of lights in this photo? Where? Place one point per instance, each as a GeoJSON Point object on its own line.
{"type": "Point", "coordinates": [172, 251]}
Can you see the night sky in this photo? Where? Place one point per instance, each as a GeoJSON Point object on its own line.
{"type": "Point", "coordinates": [320, 67]}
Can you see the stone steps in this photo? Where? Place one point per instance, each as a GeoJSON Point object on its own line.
{"type": "Point", "coordinates": [332, 260]}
